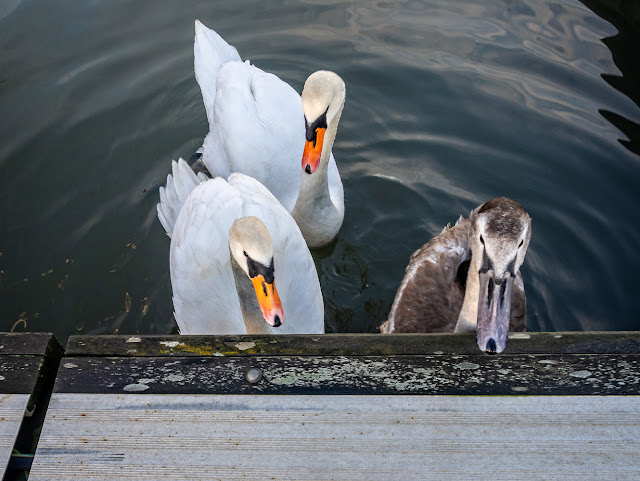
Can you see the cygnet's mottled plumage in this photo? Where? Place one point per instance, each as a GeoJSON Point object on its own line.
{"type": "Point", "coordinates": [441, 289]}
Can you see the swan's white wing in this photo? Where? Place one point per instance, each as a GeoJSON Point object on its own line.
{"type": "Point", "coordinates": [204, 295]}
{"type": "Point", "coordinates": [180, 183]}
{"type": "Point", "coordinates": [295, 273]}
{"type": "Point", "coordinates": [259, 130]}
{"type": "Point", "coordinates": [210, 51]}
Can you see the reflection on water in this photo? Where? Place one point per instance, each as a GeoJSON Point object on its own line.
{"type": "Point", "coordinates": [626, 17]}
{"type": "Point", "coordinates": [448, 105]}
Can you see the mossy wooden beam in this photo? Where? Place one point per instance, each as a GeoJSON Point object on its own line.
{"type": "Point", "coordinates": [557, 374]}
{"type": "Point", "coordinates": [350, 345]}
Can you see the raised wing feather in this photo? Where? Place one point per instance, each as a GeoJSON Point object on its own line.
{"type": "Point", "coordinates": [173, 195]}
{"type": "Point", "coordinates": [210, 51]}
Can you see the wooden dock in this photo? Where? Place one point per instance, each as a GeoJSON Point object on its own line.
{"type": "Point", "coordinates": [28, 365]}
{"type": "Point", "coordinates": [344, 407]}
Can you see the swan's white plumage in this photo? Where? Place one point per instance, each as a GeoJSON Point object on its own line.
{"type": "Point", "coordinates": [256, 123]}
{"type": "Point", "coordinates": [210, 52]}
{"type": "Point", "coordinates": [173, 195]}
{"type": "Point", "coordinates": [204, 292]}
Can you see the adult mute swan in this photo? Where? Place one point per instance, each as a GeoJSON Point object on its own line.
{"type": "Point", "coordinates": [232, 242]}
{"type": "Point", "coordinates": [437, 295]}
{"type": "Point", "coordinates": [260, 126]}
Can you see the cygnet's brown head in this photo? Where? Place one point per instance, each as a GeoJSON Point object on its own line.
{"type": "Point", "coordinates": [499, 238]}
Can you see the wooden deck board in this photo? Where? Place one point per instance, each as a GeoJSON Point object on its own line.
{"type": "Point", "coordinates": [351, 407]}
{"type": "Point", "coordinates": [283, 437]}
{"type": "Point", "coordinates": [25, 343]}
{"type": "Point", "coordinates": [27, 369]}
{"type": "Point", "coordinates": [12, 408]}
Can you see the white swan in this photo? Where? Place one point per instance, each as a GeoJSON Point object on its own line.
{"type": "Point", "coordinates": [232, 242]}
{"type": "Point", "coordinates": [257, 127]}
{"type": "Point", "coordinates": [437, 294]}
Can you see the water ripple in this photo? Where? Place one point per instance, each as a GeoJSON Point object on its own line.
{"type": "Point", "coordinates": [448, 105]}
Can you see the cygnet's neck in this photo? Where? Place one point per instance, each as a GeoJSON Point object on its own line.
{"type": "Point", "coordinates": [251, 313]}
{"type": "Point", "coordinates": [318, 218]}
{"type": "Point", "coordinates": [468, 318]}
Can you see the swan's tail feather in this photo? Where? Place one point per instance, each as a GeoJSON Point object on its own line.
{"type": "Point", "coordinates": [210, 51]}
{"type": "Point", "coordinates": [180, 183]}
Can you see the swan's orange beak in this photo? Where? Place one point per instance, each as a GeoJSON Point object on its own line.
{"type": "Point", "coordinates": [312, 151]}
{"type": "Point", "coordinates": [269, 301]}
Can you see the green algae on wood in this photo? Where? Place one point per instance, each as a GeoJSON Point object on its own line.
{"type": "Point", "coordinates": [349, 344]}
{"type": "Point", "coordinates": [567, 374]}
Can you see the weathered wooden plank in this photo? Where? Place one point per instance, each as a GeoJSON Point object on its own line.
{"type": "Point", "coordinates": [351, 344]}
{"type": "Point", "coordinates": [28, 363]}
{"type": "Point", "coordinates": [18, 374]}
{"type": "Point", "coordinates": [12, 408]}
{"type": "Point", "coordinates": [25, 343]}
{"type": "Point", "coordinates": [233, 437]}
{"type": "Point", "coordinates": [28, 372]}
{"type": "Point", "coordinates": [18, 383]}
{"type": "Point", "coordinates": [497, 375]}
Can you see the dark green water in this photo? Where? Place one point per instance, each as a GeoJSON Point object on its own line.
{"type": "Point", "coordinates": [448, 105]}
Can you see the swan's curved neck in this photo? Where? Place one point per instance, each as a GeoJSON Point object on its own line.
{"type": "Point", "coordinates": [468, 318]}
{"type": "Point", "coordinates": [315, 213]}
{"type": "Point", "coordinates": [251, 313]}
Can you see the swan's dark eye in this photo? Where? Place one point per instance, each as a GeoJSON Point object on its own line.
{"type": "Point", "coordinates": [481, 240]}
{"type": "Point", "coordinates": [245, 253]}
{"type": "Point", "coordinates": [521, 242]}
